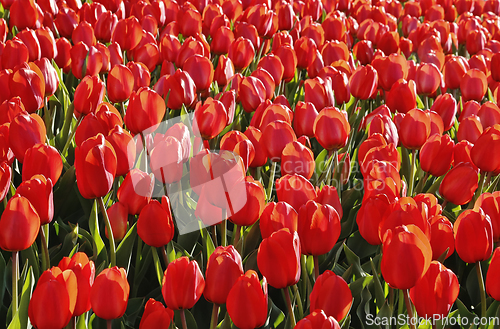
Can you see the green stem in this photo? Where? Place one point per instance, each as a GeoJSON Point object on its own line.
{"type": "Point", "coordinates": [215, 316]}
{"type": "Point", "coordinates": [183, 319]}
{"type": "Point", "coordinates": [421, 183]}
{"type": "Point", "coordinates": [70, 138]}
{"type": "Point", "coordinates": [412, 173]}
{"type": "Point", "coordinates": [5, 202]}
{"type": "Point", "coordinates": [15, 279]}
{"type": "Point", "coordinates": [45, 250]}
{"type": "Point", "coordinates": [271, 180]}
{"type": "Point", "coordinates": [290, 308]}
{"type": "Point", "coordinates": [109, 324]}
{"type": "Point", "coordinates": [480, 280]}
{"type": "Point", "coordinates": [330, 168]}
{"type": "Point", "coordinates": [223, 230]}
{"type": "Point", "coordinates": [298, 301]}
{"type": "Point", "coordinates": [145, 154]}
{"type": "Point", "coordinates": [112, 248]}
{"type": "Point", "coordinates": [479, 190]}
{"type": "Point", "coordinates": [236, 234]}
{"type": "Point", "coordinates": [409, 308]}
{"type": "Point", "coordinates": [47, 116]}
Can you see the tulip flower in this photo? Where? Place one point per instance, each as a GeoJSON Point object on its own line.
{"type": "Point", "coordinates": [473, 85]}
{"type": "Point", "coordinates": [332, 295]}
{"type": "Point", "coordinates": [297, 158]}
{"type": "Point", "coordinates": [303, 123]}
{"type": "Point", "coordinates": [84, 270]}
{"type": "Point", "coordinates": [439, 282]}
{"type": "Point", "coordinates": [473, 236]}
{"type": "Point", "coordinates": [224, 267]}
{"type": "Point", "coordinates": [331, 128]}
{"type": "Point", "coordinates": [180, 89]}
{"type": "Point", "coordinates": [124, 147]}
{"type": "Point", "coordinates": [492, 287]}
{"type": "Point", "coordinates": [85, 60]}
{"type": "Point", "coordinates": [89, 94]}
{"type": "Point", "coordinates": [241, 53]}
{"type": "Point", "coordinates": [109, 293]}
{"type": "Point", "coordinates": [156, 315]}
{"type": "Point", "coordinates": [390, 69]}
{"type": "Point", "coordinates": [436, 155]}
{"type": "Point", "coordinates": [488, 202]}
{"type": "Point", "coordinates": [58, 289]}
{"type": "Point", "coordinates": [201, 71]}
{"type": "Point", "coordinates": [277, 216]}
{"type": "Point", "coordinates": [459, 184]}
{"type": "Point", "coordinates": [155, 225]}
{"type": "Point", "coordinates": [169, 169]}
{"type": "Point", "coordinates": [289, 60]}
{"type": "Point", "coordinates": [415, 129]}
{"type": "Point", "coordinates": [363, 82]}
{"type": "Point", "coordinates": [281, 133]}
{"type": "Point", "coordinates": [405, 243]}
{"type": "Point", "coordinates": [295, 189]}
{"type": "Point", "coordinates": [442, 237]}
{"type": "Point", "coordinates": [5, 177]}
{"type": "Point", "coordinates": [95, 167]}
{"type": "Point", "coordinates": [278, 258]}
{"type": "Point", "coordinates": [118, 220]}
{"type": "Point", "coordinates": [481, 151]}
{"type": "Point", "coordinates": [402, 96]}
{"type": "Point", "coordinates": [210, 118]}
{"type": "Point", "coordinates": [89, 126]}
{"type": "Point", "coordinates": [145, 111]}
{"type": "Point", "coordinates": [249, 212]}
{"type": "Point", "coordinates": [120, 83]}
{"type": "Point", "coordinates": [18, 54]}
{"type": "Point", "coordinates": [247, 301]}
{"type": "Point", "coordinates": [136, 190]}
{"type": "Point", "coordinates": [44, 160]}
{"type": "Point", "coordinates": [318, 319]}
{"type": "Point", "coordinates": [182, 284]}
{"type": "Point", "coordinates": [23, 14]}
{"type": "Point", "coordinates": [29, 85]}
{"type": "Point", "coordinates": [319, 92]}
{"type": "Point", "coordinates": [272, 64]}
{"type": "Point", "coordinates": [19, 224]}
{"type": "Point", "coordinates": [252, 93]}
{"type": "Point", "coordinates": [127, 33]}
{"type": "Point", "coordinates": [38, 190]}
{"type": "Point", "coordinates": [25, 132]}
{"type": "Point", "coordinates": [63, 57]}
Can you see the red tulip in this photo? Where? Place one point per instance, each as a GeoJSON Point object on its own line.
{"type": "Point", "coordinates": [25, 131]}
{"type": "Point", "coordinates": [402, 97]}
{"type": "Point", "coordinates": [156, 315]}
{"type": "Point", "coordinates": [42, 159]}
{"type": "Point", "coordinates": [415, 129]}
{"type": "Point", "coordinates": [155, 225]}
{"type": "Point", "coordinates": [254, 196]}
{"type": "Point", "coordinates": [459, 184]}
{"type": "Point", "coordinates": [180, 89]}
{"type": "Point", "coordinates": [120, 83]}
{"type": "Point", "coordinates": [405, 242]}
{"type": "Point", "coordinates": [439, 282]}
{"type": "Point", "coordinates": [363, 82]}
{"type": "Point", "coordinates": [289, 60]}
{"type": "Point", "coordinates": [224, 267]}
{"type": "Point", "coordinates": [17, 54]}
{"type": "Point", "coordinates": [201, 71]}
{"type": "Point", "coordinates": [38, 190]}
{"type": "Point", "coordinates": [318, 319]}
{"type": "Point", "coordinates": [436, 155]}
{"type": "Point", "coordinates": [28, 37]}
{"type": "Point", "coordinates": [473, 85]}
{"type": "Point", "coordinates": [89, 94]}
{"type": "Point", "coordinates": [295, 190]}
{"type": "Point", "coordinates": [428, 79]}
{"type": "Point", "coordinates": [29, 85]}
{"type": "Point", "coordinates": [136, 190]}
{"type": "Point", "coordinates": [145, 111]}
{"type": "Point", "coordinates": [210, 118]}
{"type": "Point", "coordinates": [481, 151]}
{"type": "Point", "coordinates": [319, 92]}
{"type": "Point", "coordinates": [332, 295]}
{"type": "Point", "coordinates": [247, 301]}
{"type": "Point", "coordinates": [183, 284]}
{"type": "Point", "coordinates": [124, 147]}
{"type": "Point", "coordinates": [488, 202]}
{"type": "Point", "coordinates": [224, 71]}
{"type": "Point", "coordinates": [331, 128]}
{"type": "Point", "coordinates": [23, 14]}
{"type": "Point", "coordinates": [473, 236]}
{"type": "Point", "coordinates": [241, 53]}
{"type": "Point", "coordinates": [252, 93]}
{"type": "Point", "coordinates": [49, 75]}
{"type": "Point", "coordinates": [19, 224]}
{"type": "Point", "coordinates": [84, 270]}
{"type": "Point", "coordinates": [118, 220]}
{"type": "Point", "coordinates": [281, 133]}
{"type": "Point", "coordinates": [297, 158]}
{"type": "Point", "coordinates": [492, 287]}
{"type": "Point", "coordinates": [169, 169]}
{"type": "Point", "coordinates": [442, 237]}
{"type": "Point", "coordinates": [390, 69]}
{"type": "Point", "coordinates": [95, 167]}
{"type": "Point", "coordinates": [63, 56]}
{"type": "Point", "coordinates": [318, 228]}
{"type": "Point", "coordinates": [109, 293]}
{"type": "Point", "coordinates": [5, 177]}
{"type": "Point", "coordinates": [56, 288]}
{"type": "Point", "coordinates": [127, 33]}
{"type": "Point", "coordinates": [277, 216]}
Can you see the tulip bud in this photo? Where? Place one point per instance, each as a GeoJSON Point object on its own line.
{"type": "Point", "coordinates": [332, 295]}
{"type": "Point", "coordinates": [247, 301]}
{"type": "Point", "coordinates": [109, 293]}
{"type": "Point", "coordinates": [182, 296]}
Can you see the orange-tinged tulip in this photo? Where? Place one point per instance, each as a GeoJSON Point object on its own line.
{"type": "Point", "coordinates": [278, 258]}
{"type": "Point", "coordinates": [182, 284]}
{"type": "Point", "coordinates": [109, 293]}
{"type": "Point", "coordinates": [84, 270]}
{"type": "Point", "coordinates": [210, 119]}
{"type": "Point", "coordinates": [52, 289]}
{"type": "Point", "coordinates": [331, 128]}
{"type": "Point", "coordinates": [89, 94]}
{"type": "Point", "coordinates": [318, 319]}
{"type": "Point", "coordinates": [489, 114]}
{"type": "Point", "coordinates": [473, 236]}
{"type": "Point", "coordinates": [155, 225]}
{"type": "Point", "coordinates": [297, 158]}
{"type": "Point", "coordinates": [127, 33]}
{"type": "Point", "coordinates": [281, 133]}
{"type": "Point", "coordinates": [247, 301]}
{"type": "Point", "coordinates": [442, 284]}
{"type": "Point", "coordinates": [19, 224]}
{"type": "Point", "coordinates": [49, 76]}
{"type": "Point", "coordinates": [332, 295]}
{"type": "Point", "coordinates": [407, 243]}
{"type": "Point", "coordinates": [30, 87]}
{"type": "Point", "coordinates": [95, 167]}
{"type": "Point", "coordinates": [277, 216]}
{"type": "Point", "coordinates": [42, 159]}
{"type": "Point", "coordinates": [390, 69]}
{"type": "Point", "coordinates": [145, 111]}
{"type": "Point", "coordinates": [224, 267]}
{"type": "Point", "coordinates": [295, 189]}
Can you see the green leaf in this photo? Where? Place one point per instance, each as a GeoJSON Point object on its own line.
{"type": "Point", "coordinates": [125, 248]}
{"type": "Point", "coordinates": [32, 258]}
{"type": "Point", "coordinates": [81, 322]}
{"type": "Point", "coordinates": [353, 259]}
{"type": "Point", "coordinates": [208, 244]}
{"type": "Point", "coordinates": [321, 162]}
{"type": "Point", "coordinates": [157, 263]}
{"type": "Point", "coordinates": [3, 276]}
{"type": "Point", "coordinates": [99, 247]}
{"type": "Point", "coordinates": [20, 320]}
{"type": "Point", "coordinates": [191, 323]}
{"type": "Point", "coordinates": [379, 291]}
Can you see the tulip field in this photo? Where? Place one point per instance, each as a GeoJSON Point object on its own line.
{"type": "Point", "coordinates": [277, 164]}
